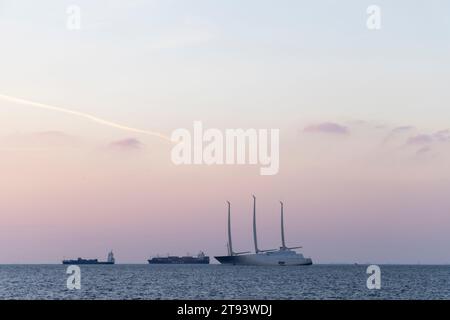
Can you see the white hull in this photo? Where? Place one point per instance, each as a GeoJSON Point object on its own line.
{"type": "Point", "coordinates": [285, 256]}
{"type": "Point", "coordinates": [275, 258]}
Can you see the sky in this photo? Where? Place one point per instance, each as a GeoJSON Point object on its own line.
{"type": "Point", "coordinates": [363, 118]}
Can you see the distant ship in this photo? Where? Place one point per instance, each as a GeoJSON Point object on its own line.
{"type": "Point", "coordinates": [78, 261]}
{"type": "Point", "coordinates": [199, 259]}
{"type": "Point", "coordinates": [283, 256]}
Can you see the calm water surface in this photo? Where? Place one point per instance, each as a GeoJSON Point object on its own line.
{"type": "Point", "coordinates": [223, 282]}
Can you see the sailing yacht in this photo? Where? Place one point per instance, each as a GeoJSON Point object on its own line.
{"type": "Point", "coordinates": [284, 256]}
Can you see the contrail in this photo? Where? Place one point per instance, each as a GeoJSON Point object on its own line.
{"type": "Point", "coordinates": [83, 115]}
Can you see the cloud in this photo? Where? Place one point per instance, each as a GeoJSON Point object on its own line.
{"type": "Point", "coordinates": [402, 129]}
{"type": "Point", "coordinates": [420, 139]}
{"type": "Point", "coordinates": [397, 131]}
{"type": "Point", "coordinates": [423, 150]}
{"type": "Point", "coordinates": [126, 144]}
{"type": "Point", "coordinates": [425, 139]}
{"type": "Point", "coordinates": [442, 136]}
{"type": "Point", "coordinates": [327, 127]}
{"type": "Point", "coordinates": [424, 142]}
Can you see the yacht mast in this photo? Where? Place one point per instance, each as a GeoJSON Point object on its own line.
{"type": "Point", "coordinates": [254, 225]}
{"type": "Point", "coordinates": [283, 243]}
{"type": "Point", "coordinates": [230, 245]}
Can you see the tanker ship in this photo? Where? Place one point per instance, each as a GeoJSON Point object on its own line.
{"type": "Point", "coordinates": [201, 258]}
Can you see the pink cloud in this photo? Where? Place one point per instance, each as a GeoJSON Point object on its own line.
{"type": "Point", "coordinates": [397, 131]}
{"type": "Point", "coordinates": [402, 129]}
{"type": "Point", "coordinates": [126, 144]}
{"type": "Point", "coordinates": [427, 139]}
{"type": "Point", "coordinates": [442, 136]}
{"type": "Point", "coordinates": [423, 150]}
{"type": "Point", "coordinates": [420, 139]}
{"type": "Point", "coordinates": [327, 127]}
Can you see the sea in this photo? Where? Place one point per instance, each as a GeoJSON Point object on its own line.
{"type": "Point", "coordinates": [106, 282]}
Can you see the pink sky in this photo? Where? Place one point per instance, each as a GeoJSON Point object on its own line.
{"type": "Point", "coordinates": [363, 118]}
{"type": "Point", "coordinates": [368, 193]}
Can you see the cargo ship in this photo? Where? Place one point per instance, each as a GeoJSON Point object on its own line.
{"type": "Point", "coordinates": [201, 258]}
{"type": "Point", "coordinates": [79, 261]}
